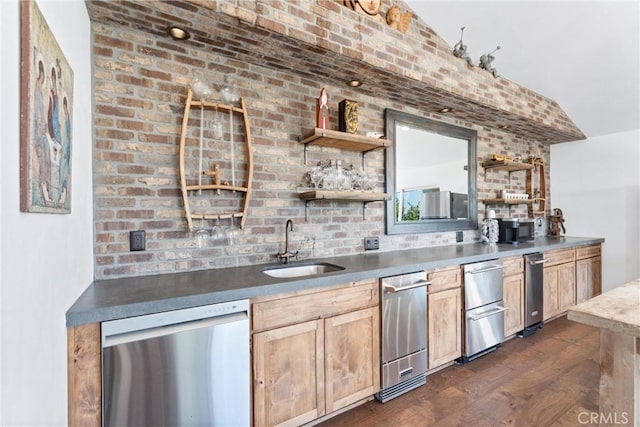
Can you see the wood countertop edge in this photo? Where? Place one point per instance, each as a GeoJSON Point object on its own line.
{"type": "Point", "coordinates": [612, 310]}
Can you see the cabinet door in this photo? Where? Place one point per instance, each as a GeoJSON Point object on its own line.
{"type": "Point", "coordinates": [288, 370]}
{"type": "Point", "coordinates": [566, 286]}
{"type": "Point", "coordinates": [588, 278]}
{"type": "Point", "coordinates": [596, 276]}
{"type": "Point", "coordinates": [550, 292]}
{"type": "Point", "coordinates": [352, 360]}
{"type": "Point", "coordinates": [513, 298]}
{"type": "Point", "coordinates": [444, 324]}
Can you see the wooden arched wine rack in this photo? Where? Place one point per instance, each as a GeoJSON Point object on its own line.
{"type": "Point", "coordinates": [214, 175]}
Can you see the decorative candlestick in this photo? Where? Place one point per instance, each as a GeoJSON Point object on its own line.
{"type": "Point", "coordinates": [322, 110]}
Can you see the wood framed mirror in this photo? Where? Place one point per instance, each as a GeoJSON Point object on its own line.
{"type": "Point", "coordinates": [431, 174]}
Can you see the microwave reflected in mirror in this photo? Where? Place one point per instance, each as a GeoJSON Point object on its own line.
{"type": "Point", "coordinates": [431, 171]}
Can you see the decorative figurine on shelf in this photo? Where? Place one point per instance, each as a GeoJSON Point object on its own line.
{"type": "Point", "coordinates": [398, 20]}
{"type": "Point", "coordinates": [348, 116]}
{"type": "Point", "coordinates": [366, 7]}
{"type": "Point", "coordinates": [460, 49]}
{"type": "Point", "coordinates": [486, 60]}
{"type": "Point", "coordinates": [490, 229]}
{"type": "Point", "coordinates": [322, 110]}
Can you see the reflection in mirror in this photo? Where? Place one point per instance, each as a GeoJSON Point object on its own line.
{"type": "Point", "coordinates": [431, 171]}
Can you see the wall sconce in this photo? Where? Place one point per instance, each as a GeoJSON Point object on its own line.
{"type": "Point", "coordinates": [178, 33]}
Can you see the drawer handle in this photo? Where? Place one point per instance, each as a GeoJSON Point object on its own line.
{"type": "Point", "coordinates": [418, 284]}
{"type": "Point", "coordinates": [406, 371]}
{"type": "Point", "coordinates": [491, 313]}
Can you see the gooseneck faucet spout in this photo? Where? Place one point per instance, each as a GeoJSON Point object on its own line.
{"type": "Point", "coordinates": [288, 226]}
{"type": "Point", "coordinates": [286, 256]}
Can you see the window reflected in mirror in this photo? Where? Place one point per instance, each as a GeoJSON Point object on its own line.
{"type": "Point", "coordinates": [431, 173]}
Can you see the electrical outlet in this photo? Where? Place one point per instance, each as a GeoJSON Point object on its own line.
{"type": "Point", "coordinates": [137, 240]}
{"type": "Point", "coordinates": [371, 243]}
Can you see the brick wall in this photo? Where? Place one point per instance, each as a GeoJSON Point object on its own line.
{"type": "Point", "coordinates": [140, 83]}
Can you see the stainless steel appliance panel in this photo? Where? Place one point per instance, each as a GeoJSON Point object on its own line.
{"type": "Point", "coordinates": [404, 314]}
{"type": "Point", "coordinates": [443, 204]}
{"type": "Point", "coordinates": [404, 334]}
{"type": "Point", "coordinates": [482, 283]}
{"type": "Point", "coordinates": [533, 291]}
{"type": "Point", "coordinates": [484, 327]}
{"type": "Point", "coordinates": [173, 369]}
{"type": "Point", "coordinates": [404, 368]}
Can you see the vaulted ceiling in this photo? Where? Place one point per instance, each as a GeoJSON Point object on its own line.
{"type": "Point", "coordinates": [583, 54]}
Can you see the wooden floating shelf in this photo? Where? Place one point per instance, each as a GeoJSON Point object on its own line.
{"type": "Point", "coordinates": [506, 165]}
{"type": "Point", "coordinates": [344, 140]}
{"type": "Point", "coordinates": [352, 196]}
{"type": "Point", "coordinates": [507, 201]}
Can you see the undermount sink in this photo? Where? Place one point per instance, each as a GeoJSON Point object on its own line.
{"type": "Point", "coordinates": [298, 270]}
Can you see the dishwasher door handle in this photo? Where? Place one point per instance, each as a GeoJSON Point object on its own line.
{"type": "Point", "coordinates": [490, 313]}
{"type": "Point", "coordinates": [484, 270]}
{"type": "Point", "coordinates": [540, 261]}
{"type": "Point", "coordinates": [418, 284]}
{"type": "Point", "coordinates": [159, 331]}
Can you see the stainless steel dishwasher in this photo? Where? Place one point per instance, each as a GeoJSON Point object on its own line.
{"type": "Point", "coordinates": [179, 368]}
{"type": "Point", "coordinates": [404, 334]}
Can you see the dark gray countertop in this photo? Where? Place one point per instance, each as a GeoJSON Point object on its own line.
{"type": "Point", "coordinates": [134, 296]}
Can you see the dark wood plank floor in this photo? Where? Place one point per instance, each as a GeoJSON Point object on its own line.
{"type": "Point", "coordinates": [546, 379]}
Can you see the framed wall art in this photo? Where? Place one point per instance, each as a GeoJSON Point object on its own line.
{"type": "Point", "coordinates": [46, 110]}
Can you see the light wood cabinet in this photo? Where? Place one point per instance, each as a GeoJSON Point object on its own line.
{"type": "Point", "coordinates": [326, 358]}
{"type": "Point", "coordinates": [352, 357]}
{"type": "Point", "coordinates": [288, 366]}
{"type": "Point", "coordinates": [444, 316]}
{"type": "Point", "coordinates": [588, 272]}
{"type": "Point", "coordinates": [513, 294]}
{"type": "Point", "coordinates": [559, 282]}
{"type": "Point", "coordinates": [84, 375]}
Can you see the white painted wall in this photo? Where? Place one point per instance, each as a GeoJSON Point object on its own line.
{"type": "Point", "coordinates": [596, 183]}
{"type": "Point", "coordinates": [45, 260]}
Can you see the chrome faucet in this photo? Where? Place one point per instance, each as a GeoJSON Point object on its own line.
{"type": "Point", "coordinates": [286, 256]}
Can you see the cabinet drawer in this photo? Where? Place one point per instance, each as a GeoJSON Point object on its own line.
{"type": "Point", "coordinates": [512, 265]}
{"type": "Point", "coordinates": [559, 256]}
{"type": "Point", "coordinates": [289, 310]}
{"type": "Point", "coordinates": [444, 278]}
{"type": "Point", "coordinates": [587, 251]}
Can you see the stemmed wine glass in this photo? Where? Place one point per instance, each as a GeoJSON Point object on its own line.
{"type": "Point", "coordinates": [202, 235]}
{"type": "Point", "coordinates": [218, 235]}
{"type": "Point", "coordinates": [315, 176]}
{"type": "Point", "coordinates": [216, 125]}
{"type": "Point", "coordinates": [233, 232]}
